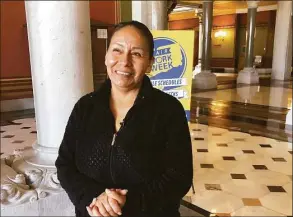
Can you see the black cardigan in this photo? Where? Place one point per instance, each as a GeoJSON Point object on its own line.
{"type": "Point", "coordinates": [151, 155]}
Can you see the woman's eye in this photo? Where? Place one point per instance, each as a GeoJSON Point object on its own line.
{"type": "Point", "coordinates": [137, 54]}
{"type": "Point", "coordinates": [116, 50]}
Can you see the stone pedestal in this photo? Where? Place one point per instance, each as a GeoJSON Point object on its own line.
{"type": "Point", "coordinates": [27, 190]}
{"type": "Point", "coordinates": [205, 80]}
{"type": "Point", "coordinates": [248, 76]}
{"type": "Point", "coordinates": [197, 69]}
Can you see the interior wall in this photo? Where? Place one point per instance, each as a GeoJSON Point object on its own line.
{"type": "Point", "coordinates": [264, 38]}
{"type": "Point", "coordinates": [14, 44]}
{"type": "Point", "coordinates": [260, 43]}
{"type": "Point", "coordinates": [15, 62]}
{"type": "Point", "coordinates": [224, 53]}
{"type": "Point", "coordinates": [103, 11]}
{"type": "Point", "coordinates": [223, 48]}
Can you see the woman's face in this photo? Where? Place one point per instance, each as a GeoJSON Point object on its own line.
{"type": "Point", "coordinates": [127, 59]}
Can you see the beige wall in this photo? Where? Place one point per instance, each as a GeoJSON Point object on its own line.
{"type": "Point", "coordinates": [260, 41]}
{"type": "Point", "coordinates": [225, 48]}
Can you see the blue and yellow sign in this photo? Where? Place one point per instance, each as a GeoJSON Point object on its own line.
{"type": "Point", "coordinates": [173, 65]}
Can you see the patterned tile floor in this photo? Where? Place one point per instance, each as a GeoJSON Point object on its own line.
{"type": "Point", "coordinates": [235, 173]}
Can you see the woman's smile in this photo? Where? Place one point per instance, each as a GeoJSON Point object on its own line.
{"type": "Point", "coordinates": [123, 73]}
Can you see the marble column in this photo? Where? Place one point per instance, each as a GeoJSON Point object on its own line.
{"type": "Point", "coordinates": [61, 66]}
{"type": "Point", "coordinates": [282, 56]}
{"type": "Point", "coordinates": [151, 13]}
{"type": "Point", "coordinates": [197, 68]}
{"type": "Point", "coordinates": [249, 75]}
{"type": "Point", "coordinates": [206, 79]}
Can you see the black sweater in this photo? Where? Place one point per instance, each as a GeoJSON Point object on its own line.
{"type": "Point", "coordinates": [151, 155]}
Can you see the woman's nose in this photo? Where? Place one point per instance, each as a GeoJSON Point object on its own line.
{"type": "Point", "coordinates": [125, 59]}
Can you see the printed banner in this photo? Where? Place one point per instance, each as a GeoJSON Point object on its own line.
{"type": "Point", "coordinates": [173, 65]}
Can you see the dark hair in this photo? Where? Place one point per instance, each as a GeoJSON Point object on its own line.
{"type": "Point", "coordinates": [143, 30]}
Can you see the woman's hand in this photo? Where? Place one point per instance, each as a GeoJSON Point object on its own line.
{"type": "Point", "coordinates": [117, 194]}
{"type": "Point", "coordinates": [108, 203]}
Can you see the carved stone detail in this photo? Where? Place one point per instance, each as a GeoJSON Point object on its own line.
{"type": "Point", "coordinates": [14, 189]}
{"type": "Point", "coordinates": [22, 182]}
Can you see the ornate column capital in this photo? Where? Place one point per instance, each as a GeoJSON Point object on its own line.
{"type": "Point", "coordinates": [252, 4]}
{"type": "Point", "coordinates": [198, 12]}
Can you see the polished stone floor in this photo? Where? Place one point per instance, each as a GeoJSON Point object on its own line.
{"type": "Point", "coordinates": [239, 174]}
{"type": "Point", "coordinates": [20, 134]}
{"type": "Point", "coordinates": [242, 151]}
{"type": "Point", "coordinates": [257, 109]}
{"type": "Point", "coordinates": [259, 95]}
{"type": "Point", "coordinates": [235, 173]}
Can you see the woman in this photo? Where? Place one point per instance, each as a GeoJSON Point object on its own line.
{"type": "Point", "coordinates": [126, 150]}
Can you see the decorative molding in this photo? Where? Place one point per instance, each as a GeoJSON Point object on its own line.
{"type": "Point", "coordinates": [260, 8]}
{"type": "Point", "coordinates": [17, 104]}
{"type": "Point", "coordinates": [14, 189]}
{"type": "Point", "coordinates": [16, 88]}
{"type": "Point", "coordinates": [22, 182]}
{"type": "Point", "coordinates": [252, 4]}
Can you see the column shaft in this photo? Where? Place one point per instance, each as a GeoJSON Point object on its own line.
{"type": "Point", "coordinates": [249, 52]}
{"type": "Point", "coordinates": [207, 29]}
{"type": "Point", "coordinates": [61, 64]}
{"type": "Point", "coordinates": [249, 75]}
{"type": "Point", "coordinates": [205, 79]}
{"type": "Point", "coordinates": [159, 16]}
{"type": "Point", "coordinates": [282, 55]}
{"type": "Point", "coordinates": [197, 68]}
{"type": "Point", "coordinates": [200, 40]}
{"type": "Point", "coordinates": [140, 12]}
{"type": "Point", "coordinates": [151, 13]}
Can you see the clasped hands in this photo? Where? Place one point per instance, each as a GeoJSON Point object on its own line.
{"type": "Point", "coordinates": [109, 203]}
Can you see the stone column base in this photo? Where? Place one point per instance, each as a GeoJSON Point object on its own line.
{"type": "Point", "coordinates": [248, 76]}
{"type": "Point", "coordinates": [197, 69]}
{"type": "Point", "coordinates": [205, 80]}
{"type": "Point", "coordinates": [24, 183]}
{"type": "Point", "coordinates": [54, 205]}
